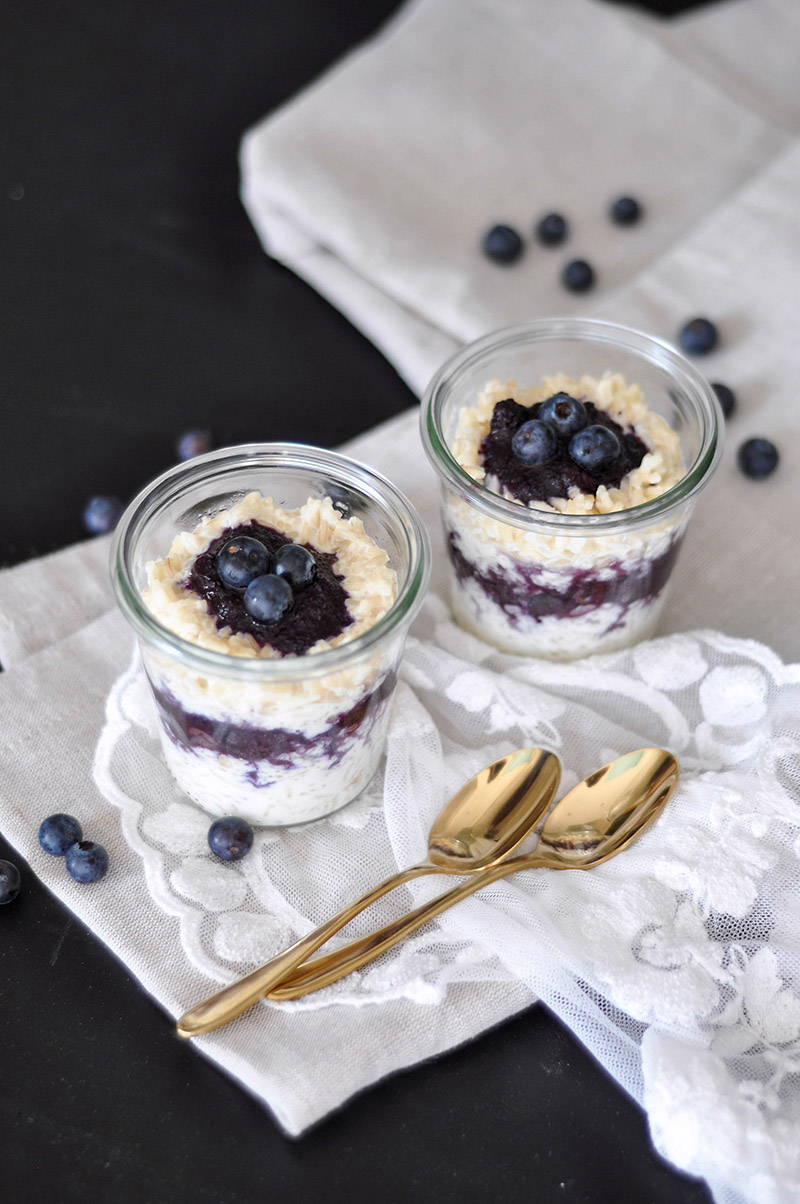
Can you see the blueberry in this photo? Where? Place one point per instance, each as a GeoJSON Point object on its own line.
{"type": "Point", "coordinates": [502, 244]}
{"type": "Point", "coordinates": [594, 448]}
{"type": "Point", "coordinates": [551, 229]}
{"type": "Point", "coordinates": [698, 337]}
{"type": "Point", "coordinates": [241, 560]}
{"type": "Point", "coordinates": [578, 276]}
{"type": "Point", "coordinates": [294, 563]}
{"type": "Point", "coordinates": [86, 861]}
{"type": "Point", "coordinates": [230, 838]}
{"type": "Point", "coordinates": [564, 413]}
{"type": "Point", "coordinates": [268, 598]}
{"type": "Point", "coordinates": [10, 882]}
{"type": "Point", "coordinates": [102, 514]}
{"type": "Point", "coordinates": [726, 398]}
{"type": "Point", "coordinates": [534, 442]}
{"type": "Point", "coordinates": [341, 499]}
{"type": "Point", "coordinates": [757, 458]}
{"type": "Point", "coordinates": [193, 443]}
{"type": "Point", "coordinates": [625, 211]}
{"type": "Point", "coordinates": [58, 832]}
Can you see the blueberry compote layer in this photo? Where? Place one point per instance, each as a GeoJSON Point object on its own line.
{"type": "Point", "coordinates": [559, 476]}
{"type": "Point", "coordinates": [583, 590]}
{"type": "Point", "coordinates": [319, 611]}
{"type": "Point", "coordinates": [278, 746]}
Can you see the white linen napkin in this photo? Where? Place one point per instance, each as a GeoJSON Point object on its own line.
{"type": "Point", "coordinates": [678, 963]}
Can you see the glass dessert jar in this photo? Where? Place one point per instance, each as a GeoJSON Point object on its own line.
{"type": "Point", "coordinates": [580, 572]}
{"type": "Point", "coordinates": [282, 723]}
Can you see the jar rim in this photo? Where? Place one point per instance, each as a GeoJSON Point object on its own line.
{"type": "Point", "coordinates": [594, 330]}
{"type": "Point", "coordinates": [342, 470]}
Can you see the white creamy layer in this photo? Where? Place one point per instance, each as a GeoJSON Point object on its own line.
{"type": "Point", "coordinates": [223, 785]}
{"type": "Point", "coordinates": [603, 629]}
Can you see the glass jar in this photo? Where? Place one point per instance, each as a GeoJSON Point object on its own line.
{"type": "Point", "coordinates": [533, 580]}
{"type": "Point", "coordinates": [292, 738]}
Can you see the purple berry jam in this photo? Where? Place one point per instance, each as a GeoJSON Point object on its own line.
{"type": "Point", "coordinates": [278, 746]}
{"type": "Point", "coordinates": [519, 594]}
{"type": "Point", "coordinates": [557, 476]}
{"type": "Point", "coordinates": [319, 611]}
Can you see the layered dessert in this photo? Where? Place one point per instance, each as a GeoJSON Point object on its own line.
{"type": "Point", "coordinates": [565, 447]}
{"type": "Point", "coordinates": [285, 588]}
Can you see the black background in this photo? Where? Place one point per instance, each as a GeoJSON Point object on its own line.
{"type": "Point", "coordinates": [137, 303]}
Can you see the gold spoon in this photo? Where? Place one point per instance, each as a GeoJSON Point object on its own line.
{"type": "Point", "coordinates": [483, 822]}
{"type": "Point", "coordinates": [597, 819]}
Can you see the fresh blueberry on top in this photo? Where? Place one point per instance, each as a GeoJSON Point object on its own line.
{"type": "Point", "coordinates": [86, 861]}
{"type": "Point", "coordinates": [502, 244]}
{"type": "Point", "coordinates": [230, 838]}
{"type": "Point", "coordinates": [241, 560]}
{"type": "Point", "coordinates": [193, 443]}
{"type": "Point", "coordinates": [698, 337]}
{"type": "Point", "coordinates": [726, 398]}
{"type": "Point", "coordinates": [551, 229]}
{"type": "Point", "coordinates": [625, 211]}
{"type": "Point", "coordinates": [58, 832]}
{"type": "Point", "coordinates": [757, 458]}
{"type": "Point", "coordinates": [594, 447]}
{"type": "Point", "coordinates": [268, 598]}
{"type": "Point", "coordinates": [102, 514]}
{"type": "Point", "coordinates": [10, 882]}
{"type": "Point", "coordinates": [564, 413]}
{"type": "Point", "coordinates": [534, 442]}
{"type": "Point", "coordinates": [578, 276]}
{"type": "Point", "coordinates": [295, 563]}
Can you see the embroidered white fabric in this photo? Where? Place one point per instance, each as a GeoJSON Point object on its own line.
{"type": "Point", "coordinates": [677, 963]}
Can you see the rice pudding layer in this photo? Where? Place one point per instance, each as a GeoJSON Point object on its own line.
{"type": "Point", "coordinates": [562, 596]}
{"type": "Point", "coordinates": [275, 749]}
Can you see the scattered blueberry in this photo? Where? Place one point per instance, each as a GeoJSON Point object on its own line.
{"type": "Point", "coordinates": [193, 443]}
{"type": "Point", "coordinates": [10, 882]}
{"type": "Point", "coordinates": [102, 514]}
{"type": "Point", "coordinates": [726, 398]}
{"type": "Point", "coordinates": [566, 414]}
{"type": "Point", "coordinates": [594, 447]}
{"type": "Point", "coordinates": [230, 838]}
{"type": "Point", "coordinates": [241, 560]}
{"type": "Point", "coordinates": [294, 563]}
{"type": "Point", "coordinates": [86, 861]}
{"type": "Point", "coordinates": [578, 276]}
{"type": "Point", "coordinates": [502, 244]}
{"type": "Point", "coordinates": [757, 458]}
{"type": "Point", "coordinates": [625, 211]}
{"type": "Point", "coordinates": [534, 442]}
{"type": "Point", "coordinates": [268, 598]}
{"type": "Point", "coordinates": [698, 337]}
{"type": "Point", "coordinates": [551, 229]}
{"type": "Point", "coordinates": [58, 833]}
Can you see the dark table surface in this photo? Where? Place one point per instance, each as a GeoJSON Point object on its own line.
{"type": "Point", "coordinates": [137, 303]}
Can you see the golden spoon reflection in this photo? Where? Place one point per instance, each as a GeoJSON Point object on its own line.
{"type": "Point", "coordinates": [597, 819]}
{"type": "Point", "coordinates": [485, 820]}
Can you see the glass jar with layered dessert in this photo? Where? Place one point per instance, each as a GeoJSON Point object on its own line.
{"type": "Point", "coordinates": [271, 588]}
{"type": "Point", "coordinates": [570, 455]}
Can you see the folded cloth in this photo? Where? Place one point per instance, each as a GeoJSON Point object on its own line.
{"type": "Point", "coordinates": [677, 963]}
{"type": "Point", "coordinates": [378, 182]}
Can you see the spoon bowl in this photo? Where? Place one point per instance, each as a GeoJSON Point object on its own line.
{"type": "Point", "coordinates": [483, 822]}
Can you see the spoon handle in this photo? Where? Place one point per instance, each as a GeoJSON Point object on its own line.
{"type": "Point", "coordinates": [322, 971]}
{"type": "Point", "coordinates": [225, 1005]}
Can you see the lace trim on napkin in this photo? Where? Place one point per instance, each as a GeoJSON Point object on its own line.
{"type": "Point", "coordinates": [677, 963]}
